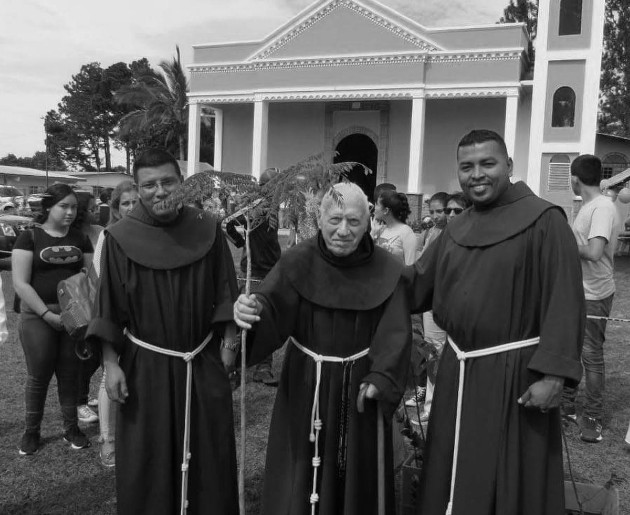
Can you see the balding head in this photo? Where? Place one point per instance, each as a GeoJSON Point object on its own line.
{"type": "Point", "coordinates": [344, 220]}
{"type": "Point", "coordinates": [348, 193]}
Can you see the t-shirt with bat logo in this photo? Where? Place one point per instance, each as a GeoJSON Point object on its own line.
{"type": "Point", "coordinates": [54, 258]}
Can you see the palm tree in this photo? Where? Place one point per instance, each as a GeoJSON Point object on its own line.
{"type": "Point", "coordinates": [158, 101]}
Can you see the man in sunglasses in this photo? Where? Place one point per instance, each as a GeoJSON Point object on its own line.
{"type": "Point", "coordinates": [504, 280]}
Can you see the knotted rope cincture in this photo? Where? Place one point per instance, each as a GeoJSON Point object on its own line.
{"type": "Point", "coordinates": [188, 358]}
{"type": "Point", "coordinates": [462, 357]}
{"type": "Point", "coordinates": [611, 319]}
{"type": "Point", "coordinates": [316, 421]}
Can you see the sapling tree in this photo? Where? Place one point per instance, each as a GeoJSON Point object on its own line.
{"type": "Point", "coordinates": [293, 188]}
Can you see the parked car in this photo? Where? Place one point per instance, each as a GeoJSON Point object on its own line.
{"type": "Point", "coordinates": [34, 201]}
{"type": "Point", "coordinates": [10, 198]}
{"type": "Point", "coordinates": [10, 227]}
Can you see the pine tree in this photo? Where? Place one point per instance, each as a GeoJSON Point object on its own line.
{"type": "Point", "coordinates": [614, 103]}
{"type": "Point", "coordinates": [524, 11]}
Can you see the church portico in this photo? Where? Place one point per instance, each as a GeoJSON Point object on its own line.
{"type": "Point", "coordinates": [295, 130]}
{"type": "Point", "coordinates": [356, 69]}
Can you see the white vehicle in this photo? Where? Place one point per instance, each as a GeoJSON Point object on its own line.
{"type": "Point", "coordinates": [10, 198]}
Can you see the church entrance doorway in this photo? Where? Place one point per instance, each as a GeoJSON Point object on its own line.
{"type": "Point", "coordinates": [360, 149]}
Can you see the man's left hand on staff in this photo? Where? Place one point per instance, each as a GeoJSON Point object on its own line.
{"type": "Point", "coordinates": [366, 391]}
{"type": "Point", "coordinates": [246, 311]}
{"type": "Point", "coordinates": [544, 394]}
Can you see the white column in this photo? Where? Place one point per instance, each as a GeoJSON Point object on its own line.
{"type": "Point", "coordinates": [539, 100]}
{"type": "Point", "coordinates": [592, 76]}
{"type": "Point", "coordinates": [511, 115]}
{"type": "Point", "coordinates": [194, 130]}
{"type": "Point", "coordinates": [259, 140]}
{"type": "Point", "coordinates": [416, 145]}
{"type": "Point", "coordinates": [218, 139]}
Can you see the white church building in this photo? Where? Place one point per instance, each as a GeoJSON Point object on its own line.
{"type": "Point", "coordinates": [359, 78]}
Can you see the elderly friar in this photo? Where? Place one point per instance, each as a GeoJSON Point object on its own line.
{"type": "Point", "coordinates": [343, 306]}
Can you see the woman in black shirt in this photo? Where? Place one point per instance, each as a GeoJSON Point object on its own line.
{"type": "Point", "coordinates": [41, 258]}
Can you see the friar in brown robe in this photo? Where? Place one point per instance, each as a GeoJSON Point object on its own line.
{"type": "Point", "coordinates": [504, 271]}
{"type": "Point", "coordinates": [335, 295]}
{"type": "Point", "coordinates": [169, 280]}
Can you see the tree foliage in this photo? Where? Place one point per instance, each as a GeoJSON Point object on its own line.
{"type": "Point", "coordinates": [130, 106]}
{"type": "Point", "coordinates": [36, 161]}
{"type": "Point", "coordinates": [524, 11]}
{"type": "Point", "coordinates": [289, 188]}
{"type": "Point", "coordinates": [157, 102]}
{"type": "Point", "coordinates": [614, 105]}
{"type": "Point", "coordinates": [81, 129]}
{"type": "Point", "coordinates": [131, 140]}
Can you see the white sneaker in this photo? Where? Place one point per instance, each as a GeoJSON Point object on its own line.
{"type": "Point", "coordinates": [93, 403]}
{"type": "Point", "coordinates": [417, 398]}
{"type": "Point", "coordinates": [86, 415]}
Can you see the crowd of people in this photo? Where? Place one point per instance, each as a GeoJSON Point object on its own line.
{"type": "Point", "coordinates": [499, 286]}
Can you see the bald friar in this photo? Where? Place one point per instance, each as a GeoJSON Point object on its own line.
{"type": "Point", "coordinates": [341, 304]}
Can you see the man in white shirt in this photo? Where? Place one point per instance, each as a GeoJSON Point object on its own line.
{"type": "Point", "coordinates": [595, 228]}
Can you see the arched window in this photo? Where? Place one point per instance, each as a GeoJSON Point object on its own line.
{"type": "Point", "coordinates": [614, 163]}
{"type": "Point", "coordinates": [570, 17]}
{"type": "Point", "coordinates": [563, 114]}
{"type": "Point", "coordinates": [559, 178]}
{"type": "Point", "coordinates": [560, 158]}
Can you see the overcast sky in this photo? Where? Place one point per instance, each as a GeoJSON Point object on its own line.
{"type": "Point", "coordinates": [44, 42]}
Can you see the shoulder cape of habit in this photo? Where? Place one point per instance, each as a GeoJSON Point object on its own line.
{"type": "Point", "coordinates": [360, 287]}
{"type": "Point", "coordinates": [161, 246]}
{"type": "Point", "coordinates": [516, 210]}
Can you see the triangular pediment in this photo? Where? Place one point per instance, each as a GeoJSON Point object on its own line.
{"type": "Point", "coordinates": [342, 27]}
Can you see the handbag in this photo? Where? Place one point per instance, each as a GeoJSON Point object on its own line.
{"type": "Point", "coordinates": [77, 295]}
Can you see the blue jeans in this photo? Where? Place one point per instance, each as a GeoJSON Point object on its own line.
{"type": "Point", "coordinates": [593, 360]}
{"type": "Point", "coordinates": [48, 352]}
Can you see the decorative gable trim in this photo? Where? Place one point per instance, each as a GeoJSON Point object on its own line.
{"type": "Point", "coordinates": [379, 19]}
{"type": "Point", "coordinates": [373, 93]}
{"type": "Point", "coordinates": [310, 63]}
{"type": "Point", "coordinates": [402, 58]}
{"type": "Point", "coordinates": [493, 55]}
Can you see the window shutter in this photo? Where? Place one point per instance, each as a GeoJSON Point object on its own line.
{"type": "Point", "coordinates": [559, 177]}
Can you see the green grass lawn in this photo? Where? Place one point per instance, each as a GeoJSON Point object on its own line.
{"type": "Point", "coordinates": [597, 463]}
{"type": "Point", "coordinates": [58, 480]}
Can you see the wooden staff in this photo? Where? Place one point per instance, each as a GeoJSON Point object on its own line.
{"type": "Point", "coordinates": [241, 472]}
{"type": "Point", "coordinates": [380, 442]}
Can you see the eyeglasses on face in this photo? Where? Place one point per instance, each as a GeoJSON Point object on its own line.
{"type": "Point", "coordinates": [438, 211]}
{"type": "Point", "coordinates": [166, 184]}
{"type": "Point", "coordinates": [456, 210]}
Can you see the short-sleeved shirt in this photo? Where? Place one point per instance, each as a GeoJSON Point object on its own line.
{"type": "Point", "coordinates": [54, 258]}
{"type": "Point", "coordinates": [598, 219]}
{"type": "Point", "coordinates": [399, 240]}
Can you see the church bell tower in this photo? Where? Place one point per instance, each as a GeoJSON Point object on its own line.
{"type": "Point", "coordinates": [565, 95]}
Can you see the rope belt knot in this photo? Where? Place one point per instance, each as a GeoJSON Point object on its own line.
{"type": "Point", "coordinates": [316, 421]}
{"type": "Point", "coordinates": [188, 358]}
{"type": "Point", "coordinates": [462, 357]}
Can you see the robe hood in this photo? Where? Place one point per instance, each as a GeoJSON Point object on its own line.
{"type": "Point", "coordinates": [165, 246]}
{"type": "Point", "coordinates": [516, 210]}
{"type": "Point", "coordinates": [361, 281]}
